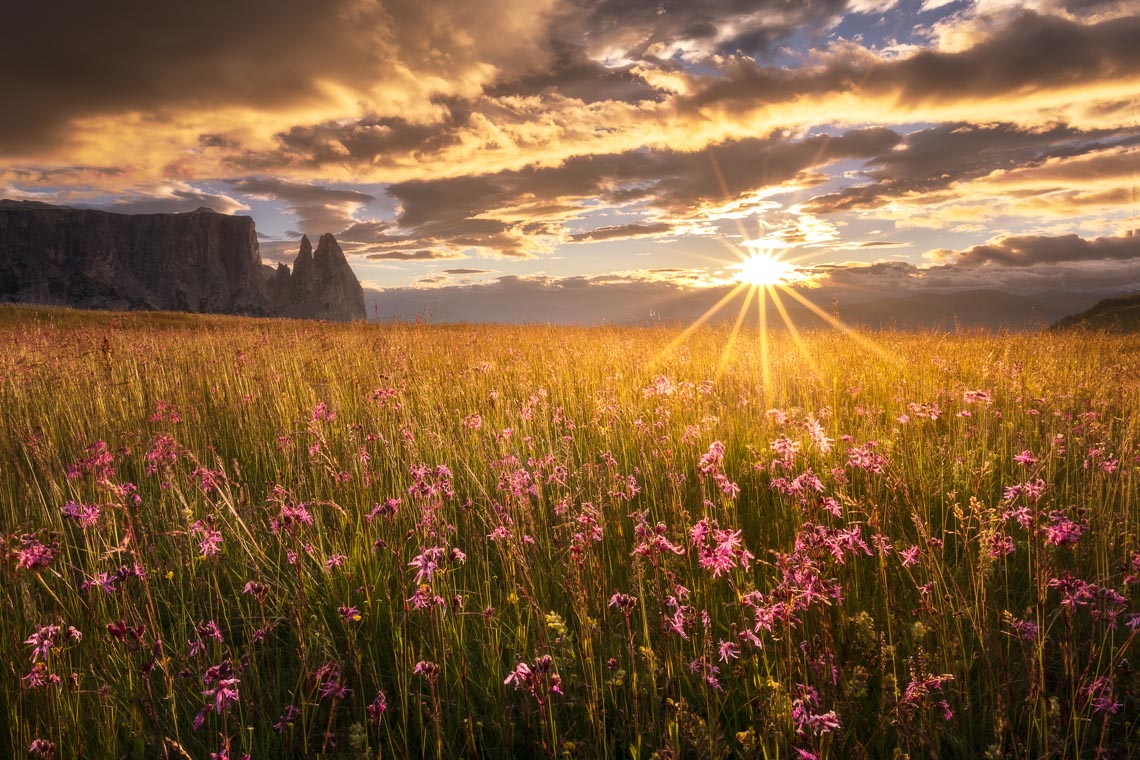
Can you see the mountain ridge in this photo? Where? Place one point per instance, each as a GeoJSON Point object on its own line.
{"type": "Point", "coordinates": [199, 262]}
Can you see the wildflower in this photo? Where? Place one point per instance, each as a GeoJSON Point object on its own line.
{"type": "Point", "coordinates": [287, 719]}
{"type": "Point", "coordinates": [1001, 545]}
{"type": "Point", "coordinates": [786, 450]}
{"type": "Point", "coordinates": [42, 641]}
{"type": "Point", "coordinates": [624, 602]}
{"type": "Point", "coordinates": [427, 563]}
{"type": "Point", "coordinates": [290, 518]}
{"type": "Point", "coordinates": [328, 684]}
{"type": "Point", "coordinates": [387, 510]}
{"type": "Point", "coordinates": [428, 670]}
{"type": "Point", "coordinates": [805, 713]}
{"type": "Point", "coordinates": [1025, 458]}
{"type": "Point", "coordinates": [866, 458]}
{"type": "Point", "coordinates": [728, 651]}
{"type": "Point", "coordinates": [259, 591]}
{"type": "Point", "coordinates": [1026, 630]}
{"type": "Point", "coordinates": [817, 435]}
{"type": "Point", "coordinates": [349, 614]}
{"type": "Point", "coordinates": [335, 561]}
{"type": "Point", "coordinates": [909, 556]}
{"type": "Point", "coordinates": [519, 677]}
{"type": "Point", "coordinates": [211, 540]}
{"type": "Point", "coordinates": [221, 691]}
{"type": "Point", "coordinates": [34, 555]}
{"type": "Point", "coordinates": [1062, 531]}
{"type": "Point", "coordinates": [87, 515]}
{"type": "Point", "coordinates": [1100, 695]}
{"type": "Point", "coordinates": [43, 748]}
{"type": "Point", "coordinates": [377, 707]}
{"type": "Point", "coordinates": [322, 413]}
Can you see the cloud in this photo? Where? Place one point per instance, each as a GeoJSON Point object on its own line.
{"type": "Point", "coordinates": [262, 54]}
{"type": "Point", "coordinates": [1006, 61]}
{"type": "Point", "coordinates": [623, 231]}
{"type": "Point", "coordinates": [466, 271]}
{"type": "Point", "coordinates": [1030, 265]}
{"type": "Point", "coordinates": [174, 198]}
{"type": "Point", "coordinates": [510, 213]}
{"type": "Point", "coordinates": [423, 255]}
{"type": "Point", "coordinates": [929, 162]}
{"type": "Point", "coordinates": [695, 30]}
{"type": "Point", "coordinates": [1031, 250]}
{"type": "Point", "coordinates": [318, 209]}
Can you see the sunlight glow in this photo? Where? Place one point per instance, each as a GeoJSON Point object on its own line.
{"type": "Point", "coordinates": [766, 269]}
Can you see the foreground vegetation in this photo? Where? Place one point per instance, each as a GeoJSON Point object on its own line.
{"type": "Point", "coordinates": [231, 536]}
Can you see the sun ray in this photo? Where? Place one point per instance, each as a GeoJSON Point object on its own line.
{"type": "Point", "coordinates": [732, 336]}
{"type": "Point", "coordinates": [699, 321]}
{"type": "Point", "coordinates": [791, 327]}
{"type": "Point", "coordinates": [845, 329]}
{"type": "Point", "coordinates": [765, 368]}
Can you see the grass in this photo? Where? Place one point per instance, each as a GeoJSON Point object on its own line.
{"type": "Point", "coordinates": [447, 541]}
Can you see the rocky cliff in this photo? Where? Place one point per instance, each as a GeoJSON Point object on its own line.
{"type": "Point", "coordinates": [198, 262]}
{"type": "Point", "coordinates": [321, 285]}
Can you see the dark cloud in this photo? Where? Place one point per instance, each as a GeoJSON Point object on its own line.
{"type": "Point", "coordinates": [933, 159]}
{"type": "Point", "coordinates": [69, 59]}
{"type": "Point", "coordinates": [215, 140]}
{"type": "Point", "coordinates": [571, 73]}
{"type": "Point", "coordinates": [622, 231]}
{"type": "Point", "coordinates": [1032, 250]}
{"type": "Point", "coordinates": [1029, 51]}
{"type": "Point", "coordinates": [698, 29]}
{"type": "Point", "coordinates": [298, 192]}
{"type": "Point", "coordinates": [373, 140]}
{"type": "Point", "coordinates": [1029, 265]}
{"type": "Point", "coordinates": [318, 209]}
{"type": "Point", "coordinates": [466, 271]}
{"type": "Point", "coordinates": [471, 211]}
{"type": "Point", "coordinates": [424, 255]}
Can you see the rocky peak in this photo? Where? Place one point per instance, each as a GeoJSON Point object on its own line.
{"type": "Point", "coordinates": [321, 286]}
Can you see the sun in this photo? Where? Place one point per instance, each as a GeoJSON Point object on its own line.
{"type": "Point", "coordinates": [762, 269]}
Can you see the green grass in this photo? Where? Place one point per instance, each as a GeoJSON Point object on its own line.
{"type": "Point", "coordinates": [595, 437]}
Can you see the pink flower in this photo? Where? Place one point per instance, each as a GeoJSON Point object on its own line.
{"type": "Point", "coordinates": [378, 707]}
{"type": "Point", "coordinates": [428, 670]}
{"type": "Point", "coordinates": [87, 515]}
{"type": "Point", "coordinates": [33, 555]}
{"type": "Point", "coordinates": [728, 650]}
{"type": "Point", "coordinates": [1062, 531]}
{"type": "Point", "coordinates": [624, 602]}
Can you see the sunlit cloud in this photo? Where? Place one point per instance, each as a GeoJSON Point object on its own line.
{"type": "Point", "coordinates": [514, 134]}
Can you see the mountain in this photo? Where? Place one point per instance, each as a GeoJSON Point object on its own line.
{"type": "Point", "coordinates": [200, 261]}
{"type": "Point", "coordinates": [321, 285]}
{"type": "Point", "coordinates": [1121, 314]}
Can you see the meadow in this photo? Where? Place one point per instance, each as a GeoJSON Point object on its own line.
{"type": "Point", "coordinates": [228, 537]}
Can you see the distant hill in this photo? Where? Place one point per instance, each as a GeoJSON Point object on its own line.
{"type": "Point", "coordinates": [1120, 314]}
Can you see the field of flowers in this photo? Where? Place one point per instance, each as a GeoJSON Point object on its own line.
{"type": "Point", "coordinates": [229, 537]}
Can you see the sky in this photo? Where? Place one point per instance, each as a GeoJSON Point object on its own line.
{"type": "Point", "coordinates": [587, 160]}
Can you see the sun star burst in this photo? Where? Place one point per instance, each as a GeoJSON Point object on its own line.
{"type": "Point", "coordinates": [764, 269]}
